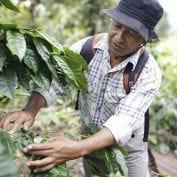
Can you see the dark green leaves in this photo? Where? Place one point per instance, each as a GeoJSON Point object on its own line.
{"type": "Point", "coordinates": [73, 66]}
{"type": "Point", "coordinates": [26, 138]}
{"type": "Point", "coordinates": [10, 5]}
{"type": "Point", "coordinates": [31, 59]}
{"type": "Point", "coordinates": [35, 57]}
{"type": "Point", "coordinates": [2, 56]}
{"type": "Point", "coordinates": [8, 82]}
{"type": "Point", "coordinates": [113, 157]}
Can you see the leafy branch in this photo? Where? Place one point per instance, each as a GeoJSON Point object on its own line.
{"type": "Point", "coordinates": [9, 5]}
{"type": "Point", "coordinates": [31, 56]}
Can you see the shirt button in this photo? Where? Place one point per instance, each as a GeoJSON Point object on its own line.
{"type": "Point", "coordinates": [103, 89]}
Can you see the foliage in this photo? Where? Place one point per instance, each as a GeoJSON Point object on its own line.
{"type": "Point", "coordinates": [31, 55]}
{"type": "Point", "coordinates": [22, 139]}
{"type": "Point", "coordinates": [113, 158]}
{"type": "Point", "coordinates": [9, 4]}
{"type": "Point", "coordinates": [163, 112]}
{"type": "Point", "coordinates": [9, 145]}
{"type": "Point", "coordinates": [7, 152]}
{"type": "Point", "coordinates": [67, 20]}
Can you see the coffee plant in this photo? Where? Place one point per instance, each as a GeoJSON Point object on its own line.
{"type": "Point", "coordinates": [113, 158]}
{"type": "Point", "coordinates": [29, 58]}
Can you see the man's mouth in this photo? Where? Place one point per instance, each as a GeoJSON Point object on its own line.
{"type": "Point", "coordinates": [117, 46]}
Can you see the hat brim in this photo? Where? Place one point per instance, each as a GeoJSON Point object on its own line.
{"type": "Point", "coordinates": [135, 24]}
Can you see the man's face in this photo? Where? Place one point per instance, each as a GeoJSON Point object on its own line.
{"type": "Point", "coordinates": [122, 40]}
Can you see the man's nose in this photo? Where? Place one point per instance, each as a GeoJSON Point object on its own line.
{"type": "Point", "coordinates": [120, 35]}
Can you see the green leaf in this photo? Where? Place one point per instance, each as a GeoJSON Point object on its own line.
{"type": "Point", "coordinates": [8, 82]}
{"type": "Point", "coordinates": [25, 138]}
{"type": "Point", "coordinates": [93, 128]}
{"type": "Point", "coordinates": [74, 74]}
{"type": "Point", "coordinates": [60, 171]}
{"type": "Point", "coordinates": [7, 167]}
{"type": "Point", "coordinates": [3, 55]}
{"type": "Point", "coordinates": [77, 59]}
{"type": "Point", "coordinates": [4, 101]}
{"type": "Point", "coordinates": [44, 52]}
{"type": "Point", "coordinates": [31, 60]}
{"type": "Point", "coordinates": [10, 5]}
{"type": "Point", "coordinates": [117, 156]}
{"type": "Point", "coordinates": [50, 40]}
{"type": "Point", "coordinates": [16, 43]}
{"type": "Point", "coordinates": [77, 66]}
{"type": "Point", "coordinates": [113, 157]}
{"type": "Point", "coordinates": [8, 26]}
{"type": "Point", "coordinates": [6, 141]}
{"type": "Point", "coordinates": [23, 75]}
{"type": "Point", "coordinates": [43, 77]}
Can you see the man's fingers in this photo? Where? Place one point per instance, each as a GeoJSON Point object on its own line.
{"type": "Point", "coordinates": [40, 163]}
{"type": "Point", "coordinates": [15, 126]}
{"type": "Point", "coordinates": [44, 168]}
{"type": "Point", "coordinates": [27, 125]}
{"type": "Point", "coordinates": [37, 147]}
{"type": "Point", "coordinates": [7, 120]}
{"type": "Point", "coordinates": [42, 152]}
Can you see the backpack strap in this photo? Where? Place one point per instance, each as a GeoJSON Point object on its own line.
{"type": "Point", "coordinates": [129, 79]}
{"type": "Point", "coordinates": [88, 50]}
{"type": "Point", "coordinates": [87, 53]}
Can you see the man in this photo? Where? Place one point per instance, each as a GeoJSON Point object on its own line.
{"type": "Point", "coordinates": [106, 103]}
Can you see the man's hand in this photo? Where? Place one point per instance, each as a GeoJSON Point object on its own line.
{"type": "Point", "coordinates": [55, 151]}
{"type": "Point", "coordinates": [61, 149]}
{"type": "Point", "coordinates": [11, 122]}
{"type": "Point", "coordinates": [23, 119]}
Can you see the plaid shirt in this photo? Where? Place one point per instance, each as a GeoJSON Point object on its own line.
{"type": "Point", "coordinates": [106, 102]}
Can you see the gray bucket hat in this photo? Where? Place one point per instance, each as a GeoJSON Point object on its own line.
{"type": "Point", "coordinates": [139, 15]}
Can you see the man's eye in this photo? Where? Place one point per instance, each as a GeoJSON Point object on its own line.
{"type": "Point", "coordinates": [118, 26]}
{"type": "Point", "coordinates": [132, 33]}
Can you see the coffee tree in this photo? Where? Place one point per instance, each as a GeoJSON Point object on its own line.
{"type": "Point", "coordinates": [27, 58]}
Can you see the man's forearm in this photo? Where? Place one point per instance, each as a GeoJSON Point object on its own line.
{"type": "Point", "coordinates": [101, 139]}
{"type": "Point", "coordinates": [35, 103]}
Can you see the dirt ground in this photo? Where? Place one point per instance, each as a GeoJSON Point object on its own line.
{"type": "Point", "coordinates": [76, 168]}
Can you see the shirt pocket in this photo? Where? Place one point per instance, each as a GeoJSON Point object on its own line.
{"type": "Point", "coordinates": [114, 95]}
{"type": "Point", "coordinates": [112, 99]}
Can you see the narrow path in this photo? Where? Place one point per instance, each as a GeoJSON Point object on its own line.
{"type": "Point", "coordinates": [167, 163]}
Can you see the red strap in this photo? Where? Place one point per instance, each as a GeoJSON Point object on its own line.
{"type": "Point", "coordinates": [127, 85]}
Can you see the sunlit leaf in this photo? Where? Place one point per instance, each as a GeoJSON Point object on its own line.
{"type": "Point", "coordinates": [7, 167]}
{"type": "Point", "coordinates": [44, 52]}
{"type": "Point", "coordinates": [51, 40]}
{"type": "Point", "coordinates": [10, 5]}
{"type": "Point", "coordinates": [72, 71]}
{"type": "Point", "coordinates": [8, 144]}
{"type": "Point", "coordinates": [16, 43]}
